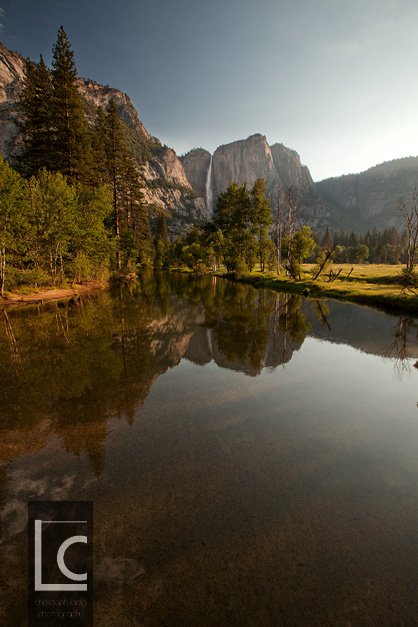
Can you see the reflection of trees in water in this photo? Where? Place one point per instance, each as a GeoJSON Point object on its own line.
{"type": "Point", "coordinates": [259, 328]}
{"type": "Point", "coordinates": [82, 362]}
{"type": "Point", "coordinates": [291, 325]}
{"type": "Point", "coordinates": [399, 349]}
{"type": "Point", "coordinates": [241, 331]}
{"type": "Point", "coordinates": [79, 363]}
{"type": "Point", "coordinates": [321, 312]}
{"type": "Point", "coordinates": [71, 364]}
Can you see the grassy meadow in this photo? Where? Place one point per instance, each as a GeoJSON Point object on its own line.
{"type": "Point", "coordinates": [376, 285]}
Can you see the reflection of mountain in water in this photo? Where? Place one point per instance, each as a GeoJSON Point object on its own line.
{"type": "Point", "coordinates": [72, 366]}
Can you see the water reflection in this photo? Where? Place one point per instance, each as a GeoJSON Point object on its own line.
{"type": "Point", "coordinates": [81, 362]}
{"type": "Point", "coordinates": [199, 468]}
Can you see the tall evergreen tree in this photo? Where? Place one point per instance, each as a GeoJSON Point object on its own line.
{"type": "Point", "coordinates": [161, 243]}
{"type": "Point", "coordinates": [233, 218]}
{"type": "Point", "coordinates": [35, 100]}
{"type": "Point", "coordinates": [327, 241]}
{"type": "Point", "coordinates": [260, 218]}
{"type": "Point", "coordinates": [71, 145]}
{"type": "Point", "coordinates": [98, 136]}
{"type": "Point", "coordinates": [130, 215]}
{"type": "Point", "coordinates": [114, 159]}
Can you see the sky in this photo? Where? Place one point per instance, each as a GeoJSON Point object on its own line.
{"type": "Point", "coordinates": [334, 80]}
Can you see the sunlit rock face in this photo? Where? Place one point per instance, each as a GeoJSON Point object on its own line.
{"type": "Point", "coordinates": [244, 160]}
{"type": "Point", "coordinates": [248, 159]}
{"type": "Point", "coordinates": [12, 72]}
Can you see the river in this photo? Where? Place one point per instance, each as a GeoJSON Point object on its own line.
{"type": "Point", "coordinates": [252, 457]}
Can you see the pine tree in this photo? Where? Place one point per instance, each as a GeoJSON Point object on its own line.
{"type": "Point", "coordinates": [35, 100]}
{"type": "Point", "coordinates": [98, 135]}
{"type": "Point", "coordinates": [260, 218]}
{"type": "Point", "coordinates": [161, 243]}
{"type": "Point", "coordinates": [327, 240]}
{"type": "Point", "coordinates": [114, 146]}
{"type": "Point", "coordinates": [233, 218]}
{"type": "Point", "coordinates": [134, 213]}
{"type": "Point", "coordinates": [130, 215]}
{"type": "Point", "coordinates": [71, 145]}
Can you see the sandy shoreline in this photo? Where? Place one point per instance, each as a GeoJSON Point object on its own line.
{"type": "Point", "coordinates": [48, 295]}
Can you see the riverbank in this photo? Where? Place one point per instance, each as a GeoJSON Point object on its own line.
{"type": "Point", "coordinates": [49, 294]}
{"type": "Point", "coordinates": [372, 285]}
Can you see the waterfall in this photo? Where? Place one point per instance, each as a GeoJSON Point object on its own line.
{"type": "Point", "coordinates": [209, 187]}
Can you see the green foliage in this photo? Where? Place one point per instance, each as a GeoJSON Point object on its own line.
{"type": "Point", "coordinates": [409, 281]}
{"type": "Point", "coordinates": [388, 246]}
{"type": "Point", "coordinates": [233, 217]}
{"type": "Point", "coordinates": [52, 230]}
{"type": "Point", "coordinates": [322, 262]}
{"type": "Point", "coordinates": [12, 219]}
{"type": "Point", "coordinates": [139, 146]}
{"type": "Point", "coordinates": [37, 126]}
{"type": "Point", "coordinates": [261, 219]}
{"type": "Point", "coordinates": [362, 253]}
{"type": "Point", "coordinates": [301, 245]}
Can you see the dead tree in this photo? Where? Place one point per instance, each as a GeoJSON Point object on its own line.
{"type": "Point", "coordinates": [410, 216]}
{"type": "Point", "coordinates": [291, 209]}
{"type": "Point", "coordinates": [327, 257]}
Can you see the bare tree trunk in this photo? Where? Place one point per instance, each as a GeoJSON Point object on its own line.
{"type": "Point", "coordinates": [327, 256]}
{"type": "Point", "coordinates": [410, 217]}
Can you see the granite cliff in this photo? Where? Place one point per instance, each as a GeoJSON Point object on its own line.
{"type": "Point", "coordinates": [12, 73]}
{"type": "Point", "coordinates": [165, 184]}
{"type": "Point", "coordinates": [248, 159]}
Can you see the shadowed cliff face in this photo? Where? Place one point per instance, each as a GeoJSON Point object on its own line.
{"type": "Point", "coordinates": [372, 196]}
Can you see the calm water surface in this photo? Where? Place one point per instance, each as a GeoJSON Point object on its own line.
{"type": "Point", "coordinates": [252, 457]}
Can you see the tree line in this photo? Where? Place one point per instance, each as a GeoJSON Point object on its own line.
{"type": "Point", "coordinates": [73, 206]}
{"type": "Point", "coordinates": [387, 246]}
{"type": "Point", "coordinates": [245, 231]}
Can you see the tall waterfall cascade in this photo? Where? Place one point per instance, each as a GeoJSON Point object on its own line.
{"type": "Point", "coordinates": [209, 187]}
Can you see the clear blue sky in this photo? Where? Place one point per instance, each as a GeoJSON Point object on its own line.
{"type": "Point", "coordinates": [333, 79]}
